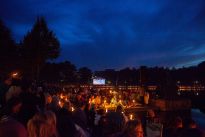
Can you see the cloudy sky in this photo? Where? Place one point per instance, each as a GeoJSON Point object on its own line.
{"type": "Point", "coordinates": [104, 34]}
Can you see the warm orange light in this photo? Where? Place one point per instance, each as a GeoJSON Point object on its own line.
{"type": "Point", "coordinates": [61, 96]}
{"type": "Point", "coordinates": [60, 104]}
{"type": "Point", "coordinates": [131, 117]}
{"type": "Point", "coordinates": [14, 74]}
{"type": "Point", "coordinates": [93, 101]}
{"type": "Point", "coordinates": [72, 109]}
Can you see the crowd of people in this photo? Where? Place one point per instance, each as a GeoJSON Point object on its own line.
{"type": "Point", "coordinates": [179, 129]}
{"type": "Point", "coordinates": [30, 109]}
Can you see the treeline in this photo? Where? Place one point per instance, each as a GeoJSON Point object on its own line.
{"type": "Point", "coordinates": [30, 55]}
{"type": "Point", "coordinates": [154, 75]}
{"type": "Point", "coordinates": [32, 58]}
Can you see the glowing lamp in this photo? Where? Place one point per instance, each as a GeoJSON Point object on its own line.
{"type": "Point", "coordinates": [72, 109]}
{"type": "Point", "coordinates": [131, 117]}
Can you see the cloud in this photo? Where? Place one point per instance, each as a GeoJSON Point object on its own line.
{"type": "Point", "coordinates": [117, 33]}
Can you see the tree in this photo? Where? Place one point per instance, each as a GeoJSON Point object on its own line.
{"type": "Point", "coordinates": [67, 72]}
{"type": "Point", "coordinates": [85, 75]}
{"type": "Point", "coordinates": [7, 50]}
{"type": "Point", "coordinates": [39, 45]}
{"type": "Point", "coordinates": [59, 72]}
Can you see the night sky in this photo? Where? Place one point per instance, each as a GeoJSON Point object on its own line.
{"type": "Point", "coordinates": [103, 34]}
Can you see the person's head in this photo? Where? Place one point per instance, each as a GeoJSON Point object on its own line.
{"type": "Point", "coordinates": [16, 106]}
{"type": "Point", "coordinates": [101, 112]}
{"type": "Point", "coordinates": [119, 109]}
{"type": "Point", "coordinates": [67, 106]}
{"type": "Point", "coordinates": [55, 103]}
{"type": "Point", "coordinates": [134, 129]}
{"type": "Point", "coordinates": [192, 124]}
{"type": "Point", "coordinates": [116, 121]}
{"type": "Point", "coordinates": [65, 125]}
{"type": "Point", "coordinates": [81, 104]}
{"type": "Point", "coordinates": [7, 80]}
{"type": "Point", "coordinates": [139, 129]}
{"type": "Point", "coordinates": [51, 118]}
{"type": "Point", "coordinates": [13, 106]}
{"type": "Point", "coordinates": [48, 98]}
{"type": "Point", "coordinates": [43, 124]}
{"type": "Point", "coordinates": [178, 123]}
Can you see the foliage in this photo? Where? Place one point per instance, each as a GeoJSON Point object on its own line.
{"type": "Point", "coordinates": [84, 75]}
{"type": "Point", "coordinates": [8, 50]}
{"type": "Point", "coordinates": [59, 72]}
{"type": "Point", "coordinates": [39, 45]}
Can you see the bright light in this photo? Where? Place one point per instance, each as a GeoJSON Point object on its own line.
{"type": "Point", "coordinates": [72, 109]}
{"type": "Point", "coordinates": [61, 96]}
{"type": "Point", "coordinates": [14, 74]}
{"type": "Point", "coordinates": [60, 104]}
{"type": "Point", "coordinates": [98, 81]}
{"type": "Point", "coordinates": [131, 117]}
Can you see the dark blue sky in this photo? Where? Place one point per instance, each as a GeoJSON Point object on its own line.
{"type": "Point", "coordinates": [104, 34]}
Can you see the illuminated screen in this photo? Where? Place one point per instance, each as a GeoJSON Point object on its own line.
{"type": "Point", "coordinates": [99, 81]}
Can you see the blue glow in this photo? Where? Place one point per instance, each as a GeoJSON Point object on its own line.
{"type": "Point", "coordinates": [116, 33]}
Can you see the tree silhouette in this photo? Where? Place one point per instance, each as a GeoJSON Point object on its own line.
{"type": "Point", "coordinates": [68, 72]}
{"type": "Point", "coordinates": [59, 72]}
{"type": "Point", "coordinates": [39, 45]}
{"type": "Point", "coordinates": [7, 50]}
{"type": "Point", "coordinates": [85, 75]}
